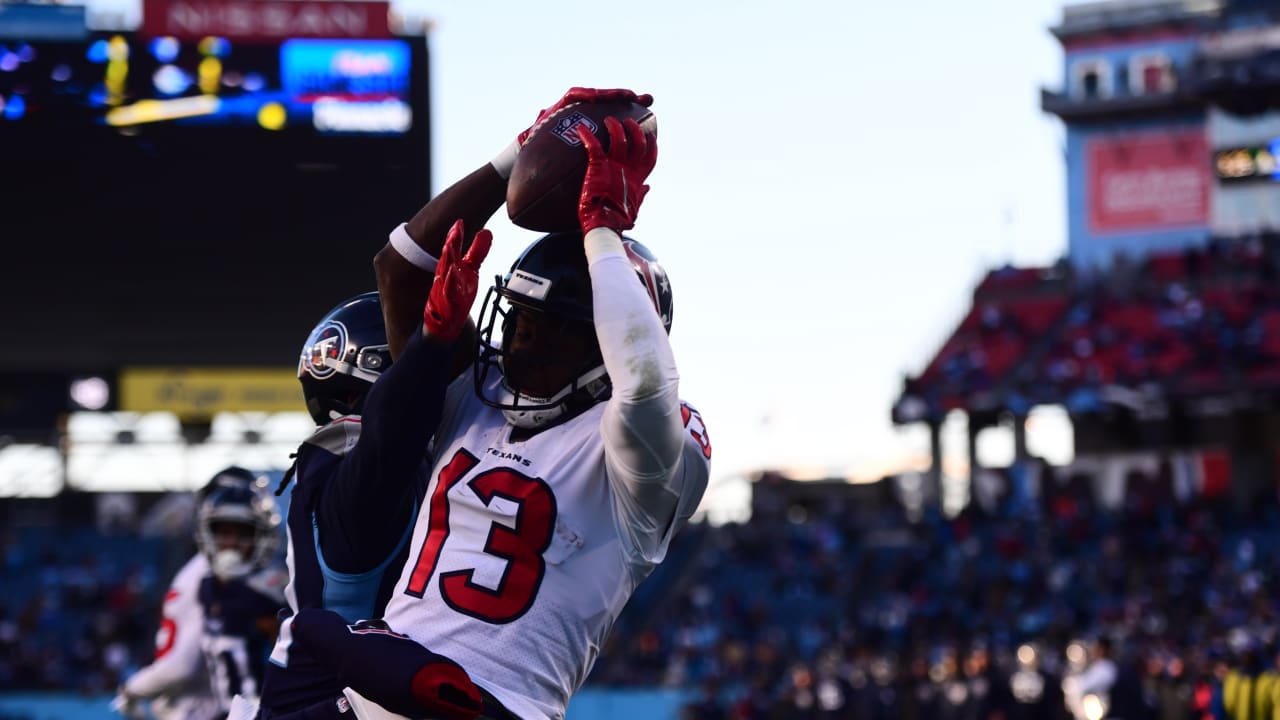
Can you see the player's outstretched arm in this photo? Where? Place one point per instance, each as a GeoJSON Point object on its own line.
{"type": "Point", "coordinates": [657, 460]}
{"type": "Point", "coordinates": [642, 426]}
{"type": "Point", "coordinates": [404, 267]}
{"type": "Point", "coordinates": [368, 503]}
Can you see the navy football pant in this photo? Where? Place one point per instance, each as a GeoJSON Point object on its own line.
{"type": "Point", "coordinates": [387, 668]}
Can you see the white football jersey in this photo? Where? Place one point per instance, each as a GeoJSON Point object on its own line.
{"type": "Point", "coordinates": [524, 553]}
{"type": "Point", "coordinates": [176, 681]}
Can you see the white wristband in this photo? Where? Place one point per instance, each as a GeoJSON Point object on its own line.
{"type": "Point", "coordinates": [410, 251]}
{"type": "Point", "coordinates": [506, 160]}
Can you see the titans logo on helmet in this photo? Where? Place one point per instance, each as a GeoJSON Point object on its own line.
{"type": "Point", "coordinates": [324, 349]}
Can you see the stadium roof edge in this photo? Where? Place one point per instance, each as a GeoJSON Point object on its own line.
{"type": "Point", "coordinates": [1107, 15]}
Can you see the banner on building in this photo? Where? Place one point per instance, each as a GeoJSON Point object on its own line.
{"type": "Point", "coordinates": [197, 393]}
{"type": "Point", "coordinates": [1148, 181]}
{"type": "Point", "coordinates": [264, 20]}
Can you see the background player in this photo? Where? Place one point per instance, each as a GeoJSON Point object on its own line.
{"type": "Point", "coordinates": [175, 685]}
{"type": "Point", "coordinates": [238, 531]}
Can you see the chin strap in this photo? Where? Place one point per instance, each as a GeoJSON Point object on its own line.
{"type": "Point", "coordinates": [588, 389]}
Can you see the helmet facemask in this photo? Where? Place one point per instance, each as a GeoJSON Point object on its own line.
{"type": "Point", "coordinates": [549, 291]}
{"type": "Point", "coordinates": [342, 358]}
{"type": "Point", "coordinates": [547, 359]}
{"type": "Point", "coordinates": [233, 544]}
{"type": "Point", "coordinates": [236, 529]}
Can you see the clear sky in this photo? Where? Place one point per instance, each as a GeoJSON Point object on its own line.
{"type": "Point", "coordinates": [833, 178]}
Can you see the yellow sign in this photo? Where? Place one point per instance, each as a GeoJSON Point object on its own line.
{"type": "Point", "coordinates": [193, 393]}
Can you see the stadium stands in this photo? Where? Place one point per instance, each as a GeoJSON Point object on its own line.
{"type": "Point", "coordinates": [79, 608]}
{"type": "Point", "coordinates": [890, 618]}
{"type": "Point", "coordinates": [1189, 322]}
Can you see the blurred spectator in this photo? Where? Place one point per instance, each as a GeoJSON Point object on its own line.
{"type": "Point", "coordinates": [1033, 693]}
{"type": "Point", "coordinates": [708, 706]}
{"type": "Point", "coordinates": [1175, 691]}
{"type": "Point", "coordinates": [1133, 696]}
{"type": "Point", "coordinates": [1249, 690]}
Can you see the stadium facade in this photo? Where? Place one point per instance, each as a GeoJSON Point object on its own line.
{"type": "Point", "coordinates": [1159, 329]}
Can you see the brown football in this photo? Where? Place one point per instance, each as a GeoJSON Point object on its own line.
{"type": "Point", "coordinates": [546, 180]}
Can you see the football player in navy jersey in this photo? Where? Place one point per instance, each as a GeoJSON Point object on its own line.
{"type": "Point", "coordinates": [175, 686]}
{"type": "Point", "coordinates": [238, 532]}
{"type": "Point", "coordinates": [357, 483]}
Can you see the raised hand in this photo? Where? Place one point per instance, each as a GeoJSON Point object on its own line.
{"type": "Point", "coordinates": [507, 158]}
{"type": "Point", "coordinates": [614, 185]}
{"type": "Point", "coordinates": [584, 95]}
{"type": "Point", "coordinates": [454, 289]}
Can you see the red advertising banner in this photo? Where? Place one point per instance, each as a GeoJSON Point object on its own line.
{"type": "Point", "coordinates": [1148, 181]}
{"type": "Point", "coordinates": [264, 20]}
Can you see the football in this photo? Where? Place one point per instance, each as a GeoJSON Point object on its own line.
{"type": "Point", "coordinates": [546, 180]}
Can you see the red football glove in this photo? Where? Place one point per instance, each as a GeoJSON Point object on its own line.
{"type": "Point", "coordinates": [614, 186]}
{"type": "Point", "coordinates": [584, 95]}
{"type": "Point", "coordinates": [454, 289]}
{"type": "Point", "coordinates": [507, 158]}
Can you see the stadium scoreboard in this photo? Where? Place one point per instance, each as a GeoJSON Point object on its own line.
{"type": "Point", "coordinates": [197, 200]}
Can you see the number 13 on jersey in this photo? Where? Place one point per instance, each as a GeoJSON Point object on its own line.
{"type": "Point", "coordinates": [519, 547]}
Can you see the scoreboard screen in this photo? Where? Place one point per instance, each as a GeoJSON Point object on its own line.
{"type": "Point", "coordinates": [1257, 162]}
{"type": "Point", "coordinates": [301, 85]}
{"type": "Point", "coordinates": [198, 202]}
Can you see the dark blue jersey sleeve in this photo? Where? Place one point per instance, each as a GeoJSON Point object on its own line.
{"type": "Point", "coordinates": [365, 509]}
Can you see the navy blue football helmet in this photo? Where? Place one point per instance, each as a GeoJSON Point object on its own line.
{"type": "Point", "coordinates": [548, 357]}
{"type": "Point", "coordinates": [233, 475]}
{"type": "Point", "coordinates": [237, 525]}
{"type": "Point", "coordinates": [343, 356]}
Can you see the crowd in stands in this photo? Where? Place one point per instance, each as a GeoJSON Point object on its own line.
{"type": "Point", "coordinates": [1201, 317]}
{"type": "Point", "coordinates": [1197, 319]}
{"type": "Point", "coordinates": [832, 612]}
{"type": "Point", "coordinates": [79, 609]}
{"type": "Point", "coordinates": [821, 611]}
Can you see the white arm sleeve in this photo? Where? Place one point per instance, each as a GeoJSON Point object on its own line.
{"type": "Point", "coordinates": [642, 427]}
{"type": "Point", "coordinates": [178, 653]}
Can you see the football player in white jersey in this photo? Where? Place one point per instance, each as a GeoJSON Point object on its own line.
{"type": "Point", "coordinates": [176, 683]}
{"type": "Point", "coordinates": [566, 463]}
